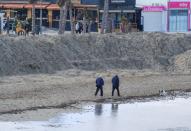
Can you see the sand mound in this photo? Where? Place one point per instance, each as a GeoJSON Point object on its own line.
{"type": "Point", "coordinates": [182, 62]}
{"type": "Point", "coordinates": [47, 54]}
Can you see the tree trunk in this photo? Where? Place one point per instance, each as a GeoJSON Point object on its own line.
{"type": "Point", "coordinates": [61, 20]}
{"type": "Point", "coordinates": [63, 17]}
{"type": "Point", "coordinates": [89, 26]}
{"type": "Point", "coordinates": [84, 24]}
{"type": "Point", "coordinates": [33, 19]}
{"type": "Point", "coordinates": [104, 26]}
{"type": "Point", "coordinates": [71, 20]}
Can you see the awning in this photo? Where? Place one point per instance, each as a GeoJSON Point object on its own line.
{"type": "Point", "coordinates": [37, 6]}
{"type": "Point", "coordinates": [53, 7]}
{"type": "Point", "coordinates": [44, 6]}
{"type": "Point", "coordinates": [84, 6]}
{"type": "Point", "coordinates": [13, 6]}
{"type": "Point", "coordinates": [56, 7]}
{"type": "Point", "coordinates": [120, 11]}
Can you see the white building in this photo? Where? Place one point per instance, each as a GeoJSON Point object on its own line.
{"type": "Point", "coordinates": [154, 18]}
{"type": "Point", "coordinates": [175, 17]}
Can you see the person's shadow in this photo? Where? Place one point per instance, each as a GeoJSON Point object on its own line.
{"type": "Point", "coordinates": [98, 109]}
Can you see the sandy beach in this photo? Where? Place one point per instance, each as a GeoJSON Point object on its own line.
{"type": "Point", "coordinates": [54, 72]}
{"type": "Point", "coordinates": [55, 91]}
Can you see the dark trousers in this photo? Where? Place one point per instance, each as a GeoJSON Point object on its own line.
{"type": "Point", "coordinates": [101, 90]}
{"type": "Point", "coordinates": [78, 31]}
{"type": "Point", "coordinates": [117, 88]}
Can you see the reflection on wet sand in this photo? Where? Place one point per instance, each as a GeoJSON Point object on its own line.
{"type": "Point", "coordinates": [162, 115]}
{"type": "Point", "coordinates": [114, 109]}
{"type": "Point", "coordinates": [98, 109]}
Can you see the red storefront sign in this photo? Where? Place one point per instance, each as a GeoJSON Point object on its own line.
{"type": "Point", "coordinates": [153, 8]}
{"type": "Point", "coordinates": [180, 5]}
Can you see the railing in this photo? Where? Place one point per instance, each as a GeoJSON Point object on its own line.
{"type": "Point", "coordinates": [131, 28]}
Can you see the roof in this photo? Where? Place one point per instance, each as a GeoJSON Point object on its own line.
{"type": "Point", "coordinates": [53, 7]}
{"type": "Point", "coordinates": [19, 6]}
{"type": "Point", "coordinates": [43, 6]}
{"type": "Point", "coordinates": [56, 7]}
{"type": "Point", "coordinates": [37, 6]}
{"type": "Point", "coordinates": [26, 1]}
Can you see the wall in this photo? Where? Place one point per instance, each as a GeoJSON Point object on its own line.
{"type": "Point", "coordinates": [164, 21]}
{"type": "Point", "coordinates": [155, 18]}
{"type": "Point", "coordinates": [90, 2]}
{"type": "Point", "coordinates": [127, 5]}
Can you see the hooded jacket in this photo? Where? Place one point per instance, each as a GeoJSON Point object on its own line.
{"type": "Point", "coordinates": [115, 81]}
{"type": "Point", "coordinates": [99, 81]}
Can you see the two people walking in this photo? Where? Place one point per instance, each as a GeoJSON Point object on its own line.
{"type": "Point", "coordinates": [100, 84]}
{"type": "Point", "coordinates": [78, 27]}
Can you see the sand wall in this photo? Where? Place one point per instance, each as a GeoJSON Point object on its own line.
{"type": "Point", "coordinates": [47, 54]}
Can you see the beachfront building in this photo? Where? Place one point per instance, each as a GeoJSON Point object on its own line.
{"type": "Point", "coordinates": [178, 16]}
{"type": "Point", "coordinates": [93, 9]}
{"type": "Point", "coordinates": [21, 10]}
{"type": "Point", "coordinates": [120, 9]}
{"type": "Point", "coordinates": [154, 18]}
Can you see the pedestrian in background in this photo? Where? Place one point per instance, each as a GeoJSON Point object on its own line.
{"type": "Point", "coordinates": [99, 85]}
{"type": "Point", "coordinates": [77, 27]}
{"type": "Point", "coordinates": [115, 85]}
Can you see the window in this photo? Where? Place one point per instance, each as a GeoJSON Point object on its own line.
{"type": "Point", "coordinates": [117, 1]}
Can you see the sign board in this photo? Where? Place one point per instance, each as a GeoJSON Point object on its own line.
{"type": "Point", "coordinates": [153, 8]}
{"type": "Point", "coordinates": [180, 5]}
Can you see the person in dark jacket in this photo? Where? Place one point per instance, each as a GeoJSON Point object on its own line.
{"type": "Point", "coordinates": [99, 85]}
{"type": "Point", "coordinates": [115, 85]}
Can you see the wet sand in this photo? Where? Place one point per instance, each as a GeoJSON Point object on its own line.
{"type": "Point", "coordinates": [166, 113]}
{"type": "Point", "coordinates": [56, 91]}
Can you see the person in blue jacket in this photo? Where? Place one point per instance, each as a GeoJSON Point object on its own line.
{"type": "Point", "coordinates": [115, 85]}
{"type": "Point", "coordinates": [99, 85]}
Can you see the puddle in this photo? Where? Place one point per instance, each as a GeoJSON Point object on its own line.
{"type": "Point", "coordinates": [162, 115]}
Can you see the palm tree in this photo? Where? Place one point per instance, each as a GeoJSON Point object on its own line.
{"type": "Point", "coordinates": [33, 2]}
{"type": "Point", "coordinates": [104, 25]}
{"type": "Point", "coordinates": [63, 4]}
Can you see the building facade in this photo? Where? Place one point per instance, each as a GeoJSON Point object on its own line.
{"type": "Point", "coordinates": [178, 16]}
{"type": "Point", "coordinates": [154, 18]}
{"type": "Point", "coordinates": [21, 10]}
{"type": "Point", "coordinates": [93, 9]}
{"type": "Point", "coordinates": [175, 17]}
{"type": "Point", "coordinates": [90, 2]}
{"type": "Point", "coordinates": [119, 9]}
